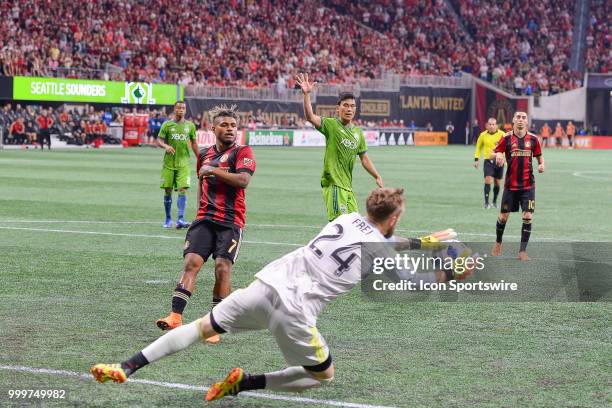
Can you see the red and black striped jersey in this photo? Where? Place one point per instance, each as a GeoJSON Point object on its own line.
{"type": "Point", "coordinates": [519, 151]}
{"type": "Point", "coordinates": [222, 203]}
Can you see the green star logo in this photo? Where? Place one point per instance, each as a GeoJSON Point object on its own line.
{"type": "Point", "coordinates": [138, 93]}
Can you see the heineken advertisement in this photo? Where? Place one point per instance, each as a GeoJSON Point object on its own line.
{"type": "Point", "coordinates": [77, 90]}
{"type": "Point", "coordinates": [269, 137]}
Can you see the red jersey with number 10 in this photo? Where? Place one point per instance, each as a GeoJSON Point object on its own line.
{"type": "Point", "coordinates": [222, 203]}
{"type": "Point", "coordinates": [519, 152]}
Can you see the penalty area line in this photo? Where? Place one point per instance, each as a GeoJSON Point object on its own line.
{"type": "Point", "coordinates": [278, 397]}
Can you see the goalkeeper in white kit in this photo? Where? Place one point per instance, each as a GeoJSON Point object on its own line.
{"type": "Point", "coordinates": [286, 298]}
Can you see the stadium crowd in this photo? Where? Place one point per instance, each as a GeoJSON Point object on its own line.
{"type": "Point", "coordinates": [599, 38]}
{"type": "Point", "coordinates": [523, 47]}
{"type": "Point", "coordinates": [23, 125]}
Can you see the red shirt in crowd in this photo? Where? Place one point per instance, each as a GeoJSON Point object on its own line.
{"type": "Point", "coordinates": [44, 122]}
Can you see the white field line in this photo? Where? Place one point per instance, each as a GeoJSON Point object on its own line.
{"type": "Point", "coordinates": [117, 234]}
{"type": "Point", "coordinates": [471, 234]}
{"type": "Point", "coordinates": [278, 397]}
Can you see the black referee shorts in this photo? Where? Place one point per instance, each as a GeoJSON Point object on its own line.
{"type": "Point", "coordinates": [207, 238]}
{"type": "Point", "coordinates": [492, 170]}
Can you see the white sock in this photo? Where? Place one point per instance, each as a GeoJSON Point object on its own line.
{"type": "Point", "coordinates": [171, 342]}
{"type": "Point", "coordinates": [292, 379]}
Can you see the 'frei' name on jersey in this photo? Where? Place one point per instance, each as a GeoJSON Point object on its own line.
{"type": "Point", "coordinates": [330, 265]}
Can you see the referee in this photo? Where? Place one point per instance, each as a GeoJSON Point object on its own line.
{"type": "Point", "coordinates": [487, 141]}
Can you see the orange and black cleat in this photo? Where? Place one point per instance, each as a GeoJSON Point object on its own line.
{"type": "Point", "coordinates": [104, 372]}
{"type": "Point", "coordinates": [172, 321]}
{"type": "Point", "coordinates": [229, 386]}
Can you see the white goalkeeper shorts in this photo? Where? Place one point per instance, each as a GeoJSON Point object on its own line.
{"type": "Point", "coordinates": [258, 307]}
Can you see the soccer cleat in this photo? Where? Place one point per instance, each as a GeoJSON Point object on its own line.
{"type": "Point", "coordinates": [229, 386]}
{"type": "Point", "coordinates": [486, 206]}
{"type": "Point", "coordinates": [172, 321]}
{"type": "Point", "coordinates": [168, 223]}
{"type": "Point", "coordinates": [105, 372]}
{"type": "Point", "coordinates": [494, 205]}
{"type": "Point", "coordinates": [522, 255]}
{"type": "Point", "coordinates": [497, 249]}
{"type": "Point", "coordinates": [181, 223]}
{"type": "Point", "coordinates": [213, 339]}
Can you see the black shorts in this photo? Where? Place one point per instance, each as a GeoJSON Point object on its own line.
{"type": "Point", "coordinates": [207, 238]}
{"type": "Point", "coordinates": [511, 200]}
{"type": "Point", "coordinates": [492, 170]}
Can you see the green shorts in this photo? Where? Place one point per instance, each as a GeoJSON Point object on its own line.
{"type": "Point", "coordinates": [338, 201]}
{"type": "Point", "coordinates": [176, 179]}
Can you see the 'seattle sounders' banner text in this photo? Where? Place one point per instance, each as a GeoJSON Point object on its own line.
{"type": "Point", "coordinates": [78, 90]}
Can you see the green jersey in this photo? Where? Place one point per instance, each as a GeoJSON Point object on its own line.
{"type": "Point", "coordinates": [342, 145]}
{"type": "Point", "coordinates": [177, 135]}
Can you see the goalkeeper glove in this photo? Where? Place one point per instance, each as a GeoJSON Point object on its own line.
{"type": "Point", "coordinates": [434, 241]}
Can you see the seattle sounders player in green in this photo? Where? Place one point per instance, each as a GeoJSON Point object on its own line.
{"type": "Point", "coordinates": [177, 137]}
{"type": "Point", "coordinates": [343, 142]}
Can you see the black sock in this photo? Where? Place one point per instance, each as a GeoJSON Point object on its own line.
{"type": "Point", "coordinates": [487, 189]}
{"type": "Point", "coordinates": [495, 193]}
{"type": "Point", "coordinates": [253, 382]}
{"type": "Point", "coordinates": [215, 302]}
{"type": "Point", "coordinates": [179, 299]}
{"type": "Point", "coordinates": [136, 362]}
{"type": "Point", "coordinates": [525, 233]}
{"type": "Point", "coordinates": [499, 230]}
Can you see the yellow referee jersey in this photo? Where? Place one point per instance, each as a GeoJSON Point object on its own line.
{"type": "Point", "coordinates": [487, 142]}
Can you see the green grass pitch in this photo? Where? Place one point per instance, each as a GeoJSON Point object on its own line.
{"type": "Point", "coordinates": [74, 293]}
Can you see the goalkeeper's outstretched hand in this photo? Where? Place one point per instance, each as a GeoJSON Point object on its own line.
{"type": "Point", "coordinates": [435, 240]}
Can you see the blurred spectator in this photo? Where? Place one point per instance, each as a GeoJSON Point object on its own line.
{"type": "Point", "coordinates": [16, 133]}
{"type": "Point", "coordinates": [450, 128]}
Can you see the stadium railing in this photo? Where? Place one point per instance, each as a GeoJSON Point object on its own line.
{"type": "Point", "coordinates": [231, 92]}
{"type": "Point", "coordinates": [389, 82]}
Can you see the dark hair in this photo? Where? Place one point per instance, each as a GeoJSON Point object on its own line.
{"type": "Point", "coordinates": [384, 202]}
{"type": "Point", "coordinates": [222, 111]}
{"type": "Point", "coordinates": [177, 102]}
{"type": "Point", "coordinates": [344, 96]}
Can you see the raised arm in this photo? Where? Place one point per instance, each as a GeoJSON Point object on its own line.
{"type": "Point", "coordinates": [307, 87]}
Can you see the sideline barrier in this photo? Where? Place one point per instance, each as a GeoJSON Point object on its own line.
{"type": "Point", "coordinates": [593, 142]}
{"type": "Point", "coordinates": [314, 138]}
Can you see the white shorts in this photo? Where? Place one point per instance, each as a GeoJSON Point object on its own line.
{"type": "Point", "coordinates": [258, 307]}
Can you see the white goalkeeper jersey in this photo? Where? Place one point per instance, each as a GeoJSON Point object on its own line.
{"type": "Point", "coordinates": [330, 265]}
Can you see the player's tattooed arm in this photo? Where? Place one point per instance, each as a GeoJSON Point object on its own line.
{"type": "Point", "coordinates": [405, 244]}
{"type": "Point", "coordinates": [239, 180]}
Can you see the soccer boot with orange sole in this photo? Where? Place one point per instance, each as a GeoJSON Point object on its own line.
{"type": "Point", "coordinates": [213, 339]}
{"type": "Point", "coordinates": [229, 386]}
{"type": "Point", "coordinates": [105, 372]}
{"type": "Point", "coordinates": [172, 321]}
